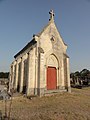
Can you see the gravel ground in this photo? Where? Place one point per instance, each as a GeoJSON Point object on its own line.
{"type": "Point", "coordinates": [63, 106]}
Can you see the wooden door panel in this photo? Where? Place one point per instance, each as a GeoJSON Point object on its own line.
{"type": "Point", "coordinates": [51, 78]}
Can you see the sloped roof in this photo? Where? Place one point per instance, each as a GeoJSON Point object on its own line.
{"type": "Point", "coordinates": [32, 42]}
{"type": "Point", "coordinates": [39, 34]}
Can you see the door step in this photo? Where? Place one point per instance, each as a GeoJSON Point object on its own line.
{"type": "Point", "coordinates": [47, 92]}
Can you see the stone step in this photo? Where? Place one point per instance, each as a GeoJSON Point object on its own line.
{"type": "Point", "coordinates": [55, 91]}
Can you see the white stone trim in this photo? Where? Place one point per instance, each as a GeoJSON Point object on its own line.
{"type": "Point", "coordinates": [22, 73]}
{"type": "Point", "coordinates": [62, 74]}
{"type": "Point", "coordinates": [68, 75]}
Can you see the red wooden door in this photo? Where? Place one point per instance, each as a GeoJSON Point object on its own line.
{"type": "Point", "coordinates": [51, 78]}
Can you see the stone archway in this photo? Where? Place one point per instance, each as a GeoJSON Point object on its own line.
{"type": "Point", "coordinates": [52, 73]}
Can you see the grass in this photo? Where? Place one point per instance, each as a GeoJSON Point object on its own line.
{"type": "Point", "coordinates": [63, 106]}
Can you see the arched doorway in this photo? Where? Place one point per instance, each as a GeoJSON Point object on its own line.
{"type": "Point", "coordinates": [52, 65]}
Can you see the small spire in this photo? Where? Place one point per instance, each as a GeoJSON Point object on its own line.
{"type": "Point", "coordinates": [51, 15]}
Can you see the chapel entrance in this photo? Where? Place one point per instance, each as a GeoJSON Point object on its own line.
{"type": "Point", "coordinates": [51, 78]}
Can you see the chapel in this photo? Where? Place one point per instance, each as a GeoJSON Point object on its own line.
{"type": "Point", "coordinates": [42, 66]}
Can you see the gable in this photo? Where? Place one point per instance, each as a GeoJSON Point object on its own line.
{"type": "Point", "coordinates": [51, 39]}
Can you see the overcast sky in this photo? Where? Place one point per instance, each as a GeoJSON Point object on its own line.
{"type": "Point", "coordinates": [20, 19]}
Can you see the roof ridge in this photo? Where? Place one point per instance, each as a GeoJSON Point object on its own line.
{"type": "Point", "coordinates": [39, 34]}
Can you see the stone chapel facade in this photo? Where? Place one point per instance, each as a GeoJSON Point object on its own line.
{"type": "Point", "coordinates": [42, 66]}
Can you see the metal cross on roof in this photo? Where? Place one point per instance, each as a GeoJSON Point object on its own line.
{"type": "Point", "coordinates": [51, 14]}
